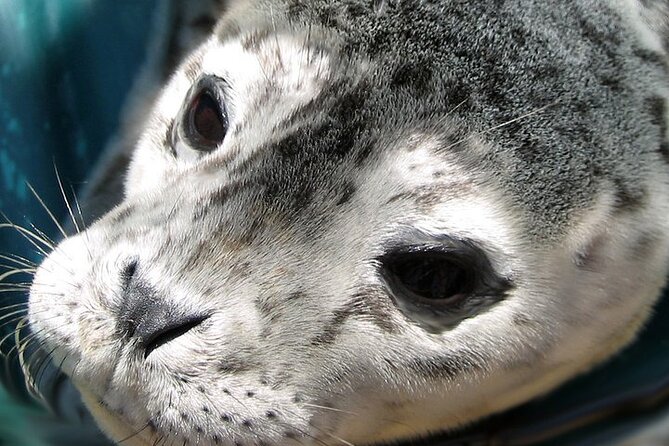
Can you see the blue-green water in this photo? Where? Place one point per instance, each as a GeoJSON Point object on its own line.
{"type": "Point", "coordinates": [65, 67]}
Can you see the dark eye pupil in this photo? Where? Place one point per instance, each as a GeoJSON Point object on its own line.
{"type": "Point", "coordinates": [430, 277]}
{"type": "Point", "coordinates": [208, 122]}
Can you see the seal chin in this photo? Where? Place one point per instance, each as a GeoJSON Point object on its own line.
{"type": "Point", "coordinates": [114, 427]}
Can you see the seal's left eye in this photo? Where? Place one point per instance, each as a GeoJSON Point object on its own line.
{"type": "Point", "coordinates": [441, 281]}
{"type": "Point", "coordinates": [206, 122]}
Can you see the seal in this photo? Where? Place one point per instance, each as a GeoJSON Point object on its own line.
{"type": "Point", "coordinates": [355, 222]}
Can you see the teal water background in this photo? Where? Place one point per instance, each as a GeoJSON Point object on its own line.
{"type": "Point", "coordinates": [65, 69]}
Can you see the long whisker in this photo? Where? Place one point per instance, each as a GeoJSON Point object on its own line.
{"type": "Point", "coordinates": [14, 272]}
{"type": "Point", "coordinates": [48, 211]}
{"type": "Point", "coordinates": [28, 235]}
{"type": "Point", "coordinates": [76, 203]}
{"type": "Point", "coordinates": [41, 233]}
{"type": "Point", "coordinates": [67, 202]}
{"type": "Point", "coordinates": [133, 435]}
{"type": "Point", "coordinates": [504, 124]}
{"type": "Point", "coordinates": [18, 260]}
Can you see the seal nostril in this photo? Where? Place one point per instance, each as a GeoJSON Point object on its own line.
{"type": "Point", "coordinates": [128, 272]}
{"type": "Point", "coordinates": [152, 335]}
{"type": "Point", "coordinates": [147, 317]}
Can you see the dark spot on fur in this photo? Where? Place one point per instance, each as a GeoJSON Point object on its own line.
{"type": "Point", "coordinates": [250, 394]}
{"type": "Point", "coordinates": [205, 409]}
{"type": "Point", "coordinates": [590, 256]}
{"type": "Point", "coordinates": [225, 418]}
{"type": "Point", "coordinates": [201, 389]}
{"type": "Point", "coordinates": [628, 197]}
{"type": "Point", "coordinates": [247, 423]}
{"type": "Point", "coordinates": [521, 320]}
{"type": "Point", "coordinates": [650, 57]}
{"type": "Point", "coordinates": [413, 74]}
{"type": "Point", "coordinates": [233, 365]}
{"type": "Point", "coordinates": [198, 429]}
{"type": "Point", "coordinates": [168, 138]}
{"type": "Point", "coordinates": [184, 416]}
{"type": "Point", "coordinates": [664, 151]}
{"type": "Point", "coordinates": [270, 414]}
{"type": "Point", "coordinates": [347, 193]}
{"type": "Point", "coordinates": [612, 82]}
{"type": "Point", "coordinates": [332, 328]}
{"type": "Point", "coordinates": [657, 110]}
{"type": "Point", "coordinates": [645, 245]}
{"type": "Point", "coordinates": [365, 304]}
{"type": "Point", "coordinates": [254, 40]}
{"type": "Point", "coordinates": [400, 196]}
{"type": "Point", "coordinates": [446, 367]}
{"type": "Point", "coordinates": [295, 9]}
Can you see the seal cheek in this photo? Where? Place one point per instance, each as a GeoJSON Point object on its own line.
{"type": "Point", "coordinates": [111, 425]}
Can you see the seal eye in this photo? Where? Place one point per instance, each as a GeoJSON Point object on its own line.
{"type": "Point", "coordinates": [441, 281]}
{"type": "Point", "coordinates": [436, 278]}
{"type": "Point", "coordinates": [206, 122]}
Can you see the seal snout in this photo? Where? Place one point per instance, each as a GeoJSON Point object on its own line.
{"type": "Point", "coordinates": [149, 319]}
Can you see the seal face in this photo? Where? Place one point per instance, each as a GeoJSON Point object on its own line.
{"type": "Point", "coordinates": [356, 222]}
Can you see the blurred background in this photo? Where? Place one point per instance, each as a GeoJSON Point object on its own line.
{"type": "Point", "coordinates": [65, 68]}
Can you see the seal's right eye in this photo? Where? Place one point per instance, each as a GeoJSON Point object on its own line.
{"type": "Point", "coordinates": [206, 122]}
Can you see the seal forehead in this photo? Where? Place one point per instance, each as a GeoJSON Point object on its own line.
{"type": "Point", "coordinates": [502, 74]}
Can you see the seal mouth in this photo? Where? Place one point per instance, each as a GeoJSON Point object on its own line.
{"type": "Point", "coordinates": [112, 425]}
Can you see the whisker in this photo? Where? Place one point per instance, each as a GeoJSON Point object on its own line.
{"type": "Point", "coordinates": [28, 235]}
{"type": "Point", "coordinates": [7, 266]}
{"type": "Point", "coordinates": [76, 203]}
{"type": "Point", "coordinates": [16, 315]}
{"type": "Point", "coordinates": [67, 202]}
{"type": "Point", "coordinates": [48, 211]}
{"type": "Point", "coordinates": [41, 233]}
{"type": "Point", "coordinates": [133, 435]}
{"type": "Point", "coordinates": [330, 408]}
{"type": "Point", "coordinates": [13, 272]}
{"type": "Point", "coordinates": [18, 260]}
{"type": "Point", "coordinates": [83, 224]}
{"type": "Point", "coordinates": [321, 430]}
{"type": "Point", "coordinates": [9, 307]}
{"type": "Point", "coordinates": [21, 325]}
{"type": "Point", "coordinates": [504, 124]}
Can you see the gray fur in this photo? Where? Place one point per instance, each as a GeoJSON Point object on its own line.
{"type": "Point", "coordinates": [504, 60]}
